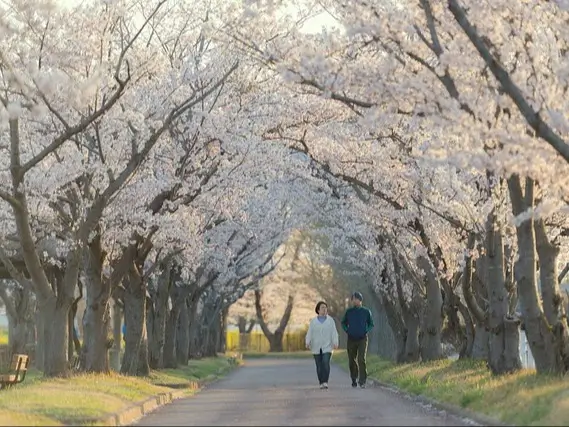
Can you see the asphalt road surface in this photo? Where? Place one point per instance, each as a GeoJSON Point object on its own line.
{"type": "Point", "coordinates": [285, 392]}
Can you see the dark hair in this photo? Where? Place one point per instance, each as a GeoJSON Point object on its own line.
{"type": "Point", "coordinates": [320, 303]}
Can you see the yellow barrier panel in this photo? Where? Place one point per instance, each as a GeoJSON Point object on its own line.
{"type": "Point", "coordinates": [257, 342]}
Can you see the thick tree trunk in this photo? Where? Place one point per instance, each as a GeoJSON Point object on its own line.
{"type": "Point", "coordinates": [275, 338]}
{"type": "Point", "coordinates": [475, 303]}
{"type": "Point", "coordinates": [431, 327]}
{"type": "Point", "coordinates": [504, 334]}
{"type": "Point", "coordinates": [54, 315]}
{"type": "Point", "coordinates": [135, 360]}
{"type": "Point", "coordinates": [183, 335]}
{"type": "Point", "coordinates": [158, 316]}
{"type": "Point", "coordinates": [467, 349]}
{"type": "Point", "coordinates": [412, 345]}
{"type": "Point", "coordinates": [409, 314]}
{"type": "Point", "coordinates": [537, 329]}
{"type": "Point", "coordinates": [480, 347]}
{"type": "Point", "coordinates": [97, 310]}
{"type": "Point", "coordinates": [169, 351]}
{"type": "Point", "coordinates": [18, 307]}
{"type": "Point", "coordinates": [276, 342]}
{"type": "Point", "coordinates": [221, 339]}
{"type": "Point", "coordinates": [195, 326]}
{"type": "Point", "coordinates": [114, 354]}
{"type": "Point", "coordinates": [553, 307]}
{"type": "Point", "coordinates": [397, 324]}
{"type": "Point", "coordinates": [178, 297]}
{"type": "Point", "coordinates": [40, 339]}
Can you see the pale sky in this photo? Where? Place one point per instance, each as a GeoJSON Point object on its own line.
{"type": "Point", "coordinates": [312, 25]}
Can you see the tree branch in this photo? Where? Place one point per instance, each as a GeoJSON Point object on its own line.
{"type": "Point", "coordinates": [542, 129]}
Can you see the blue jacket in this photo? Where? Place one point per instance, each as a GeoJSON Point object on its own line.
{"type": "Point", "coordinates": [357, 322]}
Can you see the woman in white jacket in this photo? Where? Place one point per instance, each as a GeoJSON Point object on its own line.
{"type": "Point", "coordinates": [322, 339]}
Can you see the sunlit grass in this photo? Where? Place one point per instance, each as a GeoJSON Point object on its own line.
{"type": "Point", "coordinates": [41, 401]}
{"type": "Point", "coordinates": [523, 398]}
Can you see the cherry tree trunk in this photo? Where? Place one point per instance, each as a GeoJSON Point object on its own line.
{"type": "Point", "coordinates": [158, 314]}
{"type": "Point", "coordinates": [504, 336]}
{"type": "Point", "coordinates": [135, 360]}
{"type": "Point", "coordinates": [480, 346]}
{"type": "Point", "coordinates": [196, 324]}
{"type": "Point", "coordinates": [17, 334]}
{"type": "Point", "coordinates": [466, 351]}
{"type": "Point", "coordinates": [431, 326]}
{"type": "Point", "coordinates": [114, 354]}
{"type": "Point", "coordinates": [221, 339]}
{"type": "Point", "coordinates": [553, 307]}
{"type": "Point", "coordinates": [539, 334]}
{"type": "Point", "coordinates": [178, 297]}
{"type": "Point", "coordinates": [19, 313]}
{"type": "Point", "coordinates": [397, 325]}
{"type": "Point", "coordinates": [40, 340]}
{"type": "Point", "coordinates": [169, 351]}
{"type": "Point", "coordinates": [54, 314]}
{"type": "Point", "coordinates": [412, 346]}
{"type": "Point", "coordinates": [183, 335]}
{"type": "Point", "coordinates": [97, 315]}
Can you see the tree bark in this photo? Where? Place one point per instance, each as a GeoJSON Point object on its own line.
{"type": "Point", "coordinates": [54, 314]}
{"type": "Point", "coordinates": [117, 319]}
{"type": "Point", "coordinates": [553, 307]}
{"type": "Point", "coordinates": [504, 334]}
{"type": "Point", "coordinates": [275, 338]}
{"type": "Point", "coordinates": [183, 335]}
{"type": "Point", "coordinates": [178, 297]}
{"type": "Point", "coordinates": [158, 315]}
{"type": "Point", "coordinates": [397, 324]}
{"type": "Point", "coordinates": [478, 314]}
{"type": "Point", "coordinates": [96, 319]}
{"type": "Point", "coordinates": [18, 311]}
{"type": "Point", "coordinates": [135, 360]}
{"type": "Point", "coordinates": [221, 339]}
{"type": "Point", "coordinates": [467, 350]}
{"type": "Point", "coordinates": [540, 337]}
{"type": "Point", "coordinates": [431, 325]}
{"type": "Point", "coordinates": [410, 315]}
{"type": "Point", "coordinates": [194, 317]}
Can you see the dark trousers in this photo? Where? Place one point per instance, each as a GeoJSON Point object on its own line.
{"type": "Point", "coordinates": [357, 350]}
{"type": "Point", "coordinates": [322, 366]}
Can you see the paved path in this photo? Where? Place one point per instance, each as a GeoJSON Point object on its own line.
{"type": "Point", "coordinates": [284, 392]}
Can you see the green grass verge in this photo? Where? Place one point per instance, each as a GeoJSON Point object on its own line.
{"type": "Point", "coordinates": [41, 401]}
{"type": "Point", "coordinates": [3, 336]}
{"type": "Point", "coordinates": [523, 398]}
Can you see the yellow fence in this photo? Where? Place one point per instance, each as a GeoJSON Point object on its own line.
{"type": "Point", "coordinates": [257, 342]}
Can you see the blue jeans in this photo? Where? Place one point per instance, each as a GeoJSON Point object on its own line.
{"type": "Point", "coordinates": [322, 366]}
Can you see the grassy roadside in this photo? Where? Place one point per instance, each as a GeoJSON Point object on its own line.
{"type": "Point", "coordinates": [38, 401]}
{"type": "Point", "coordinates": [523, 399]}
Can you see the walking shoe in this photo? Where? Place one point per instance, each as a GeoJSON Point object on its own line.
{"type": "Point", "coordinates": [322, 385]}
{"type": "Point", "coordinates": [363, 385]}
{"type": "Point", "coordinates": [325, 385]}
{"type": "Point", "coordinates": [354, 384]}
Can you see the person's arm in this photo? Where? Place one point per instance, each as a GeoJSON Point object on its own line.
{"type": "Point", "coordinates": [308, 335]}
{"type": "Point", "coordinates": [335, 337]}
{"type": "Point", "coordinates": [369, 323]}
{"type": "Point", "coordinates": [345, 321]}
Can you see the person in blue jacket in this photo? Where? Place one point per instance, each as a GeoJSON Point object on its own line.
{"type": "Point", "coordinates": [357, 322]}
